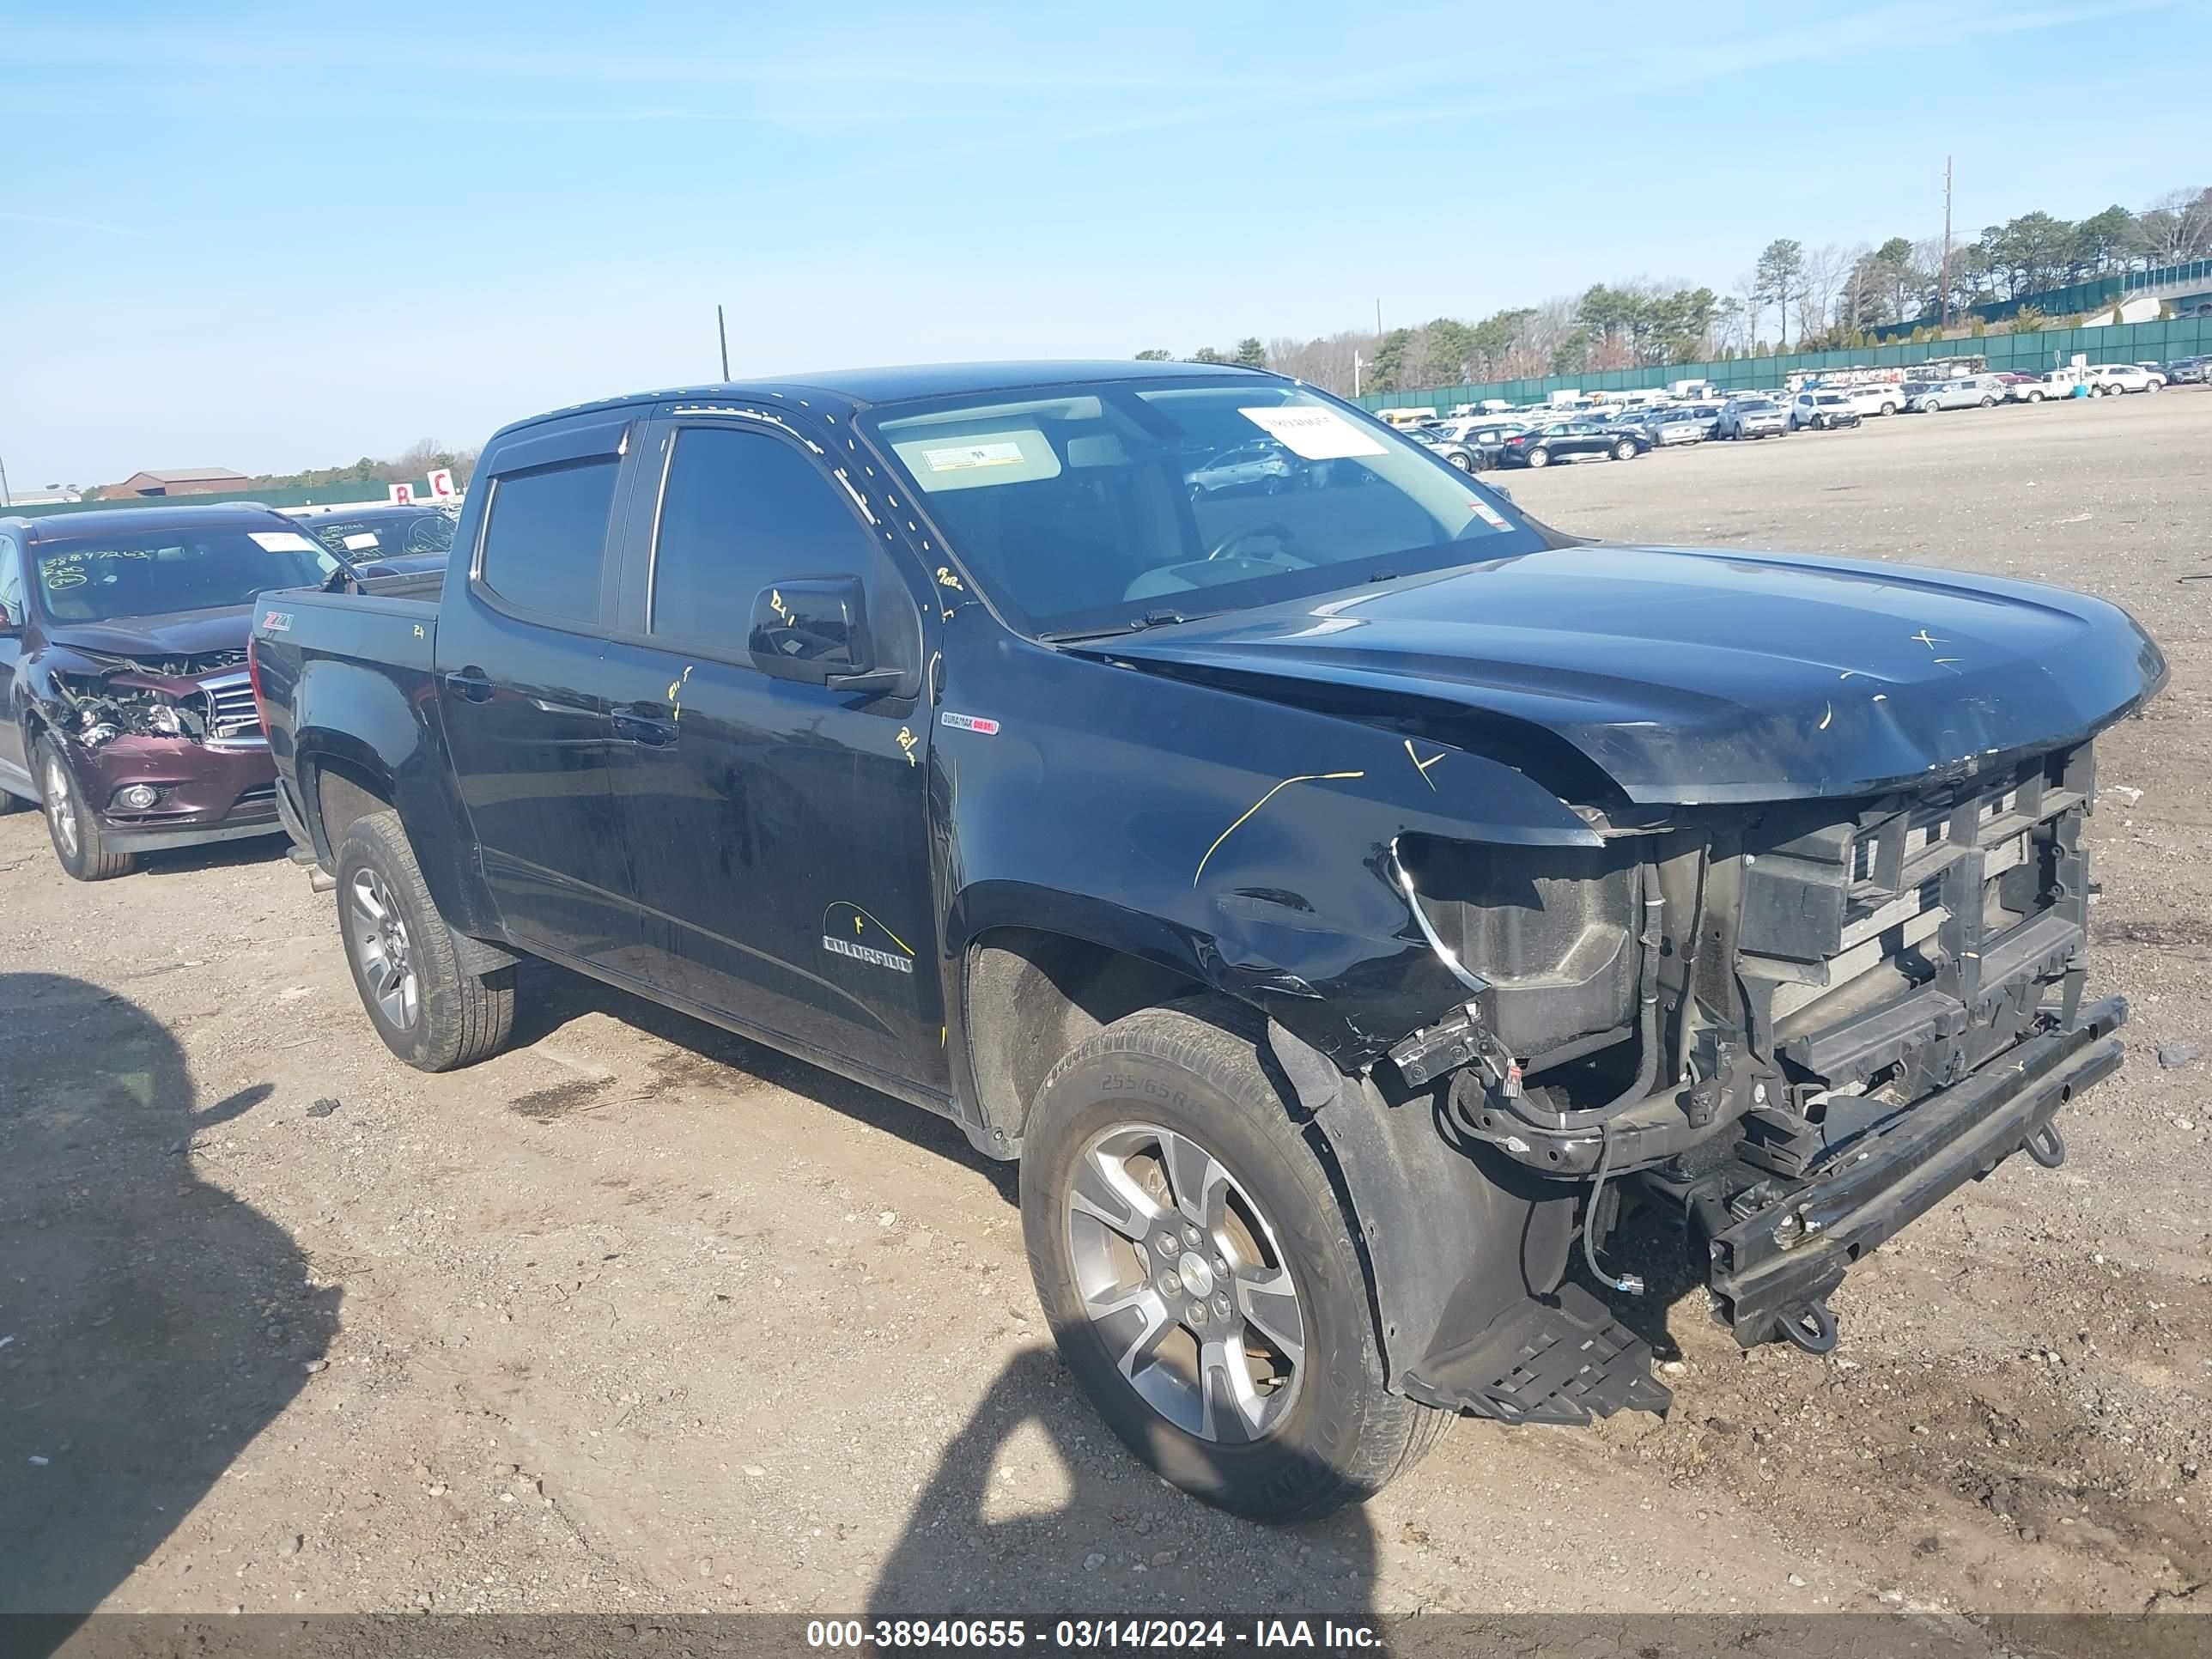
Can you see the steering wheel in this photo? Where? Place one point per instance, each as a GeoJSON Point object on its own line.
{"type": "Point", "coordinates": [1226, 547]}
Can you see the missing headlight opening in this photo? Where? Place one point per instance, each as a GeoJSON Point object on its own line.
{"type": "Point", "coordinates": [111, 706]}
{"type": "Point", "coordinates": [1797, 974]}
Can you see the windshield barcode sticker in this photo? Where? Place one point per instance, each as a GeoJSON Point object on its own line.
{"type": "Point", "coordinates": [281, 541]}
{"type": "Point", "coordinates": [1316, 434]}
{"type": "Point", "coordinates": [971, 455]}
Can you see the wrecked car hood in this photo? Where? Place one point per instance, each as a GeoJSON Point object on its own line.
{"type": "Point", "coordinates": [1691, 676]}
{"type": "Point", "coordinates": [185, 633]}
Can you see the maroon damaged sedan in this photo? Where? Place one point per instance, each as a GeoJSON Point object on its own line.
{"type": "Point", "coordinates": [126, 709]}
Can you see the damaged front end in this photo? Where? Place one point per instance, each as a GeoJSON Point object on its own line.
{"type": "Point", "coordinates": [1796, 1028]}
{"type": "Point", "coordinates": [168, 752]}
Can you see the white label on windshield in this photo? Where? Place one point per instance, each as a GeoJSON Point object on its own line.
{"type": "Point", "coordinates": [361, 542]}
{"type": "Point", "coordinates": [1316, 434]}
{"type": "Point", "coordinates": [281, 541]}
{"type": "Point", "coordinates": [1489, 515]}
{"type": "Point", "coordinates": [966, 456]}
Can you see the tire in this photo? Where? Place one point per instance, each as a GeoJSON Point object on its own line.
{"type": "Point", "coordinates": [2151, 386]}
{"type": "Point", "coordinates": [70, 824]}
{"type": "Point", "coordinates": [2035, 396]}
{"type": "Point", "coordinates": [1460, 461]}
{"type": "Point", "coordinates": [429, 1011]}
{"type": "Point", "coordinates": [1624, 451]}
{"type": "Point", "coordinates": [1539, 457]}
{"type": "Point", "coordinates": [1889, 409]}
{"type": "Point", "coordinates": [1327, 1432]}
{"type": "Point", "coordinates": [1989, 402]}
{"type": "Point", "coordinates": [1819, 423]}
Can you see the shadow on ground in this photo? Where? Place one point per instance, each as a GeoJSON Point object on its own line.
{"type": "Point", "coordinates": [548, 998]}
{"type": "Point", "coordinates": [1113, 1540]}
{"type": "Point", "coordinates": [150, 1326]}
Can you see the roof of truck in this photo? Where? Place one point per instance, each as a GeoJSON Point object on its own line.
{"type": "Point", "coordinates": [861, 388]}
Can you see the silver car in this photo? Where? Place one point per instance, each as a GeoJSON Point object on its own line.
{"type": "Point", "coordinates": [1668, 427]}
{"type": "Point", "coordinates": [1974, 392]}
{"type": "Point", "coordinates": [1752, 417]}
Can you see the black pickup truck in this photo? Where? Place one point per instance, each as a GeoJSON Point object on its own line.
{"type": "Point", "coordinates": [1342, 892]}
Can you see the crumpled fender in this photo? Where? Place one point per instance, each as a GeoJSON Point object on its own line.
{"type": "Point", "coordinates": [1245, 844]}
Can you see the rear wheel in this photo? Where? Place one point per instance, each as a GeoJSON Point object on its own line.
{"type": "Point", "coordinates": [1458, 460]}
{"type": "Point", "coordinates": [1989, 402]}
{"type": "Point", "coordinates": [1540, 458]}
{"type": "Point", "coordinates": [430, 1012]}
{"type": "Point", "coordinates": [70, 822]}
{"type": "Point", "coordinates": [1889, 409]}
{"type": "Point", "coordinates": [1624, 451]}
{"type": "Point", "coordinates": [1195, 1264]}
{"type": "Point", "coordinates": [2035, 396]}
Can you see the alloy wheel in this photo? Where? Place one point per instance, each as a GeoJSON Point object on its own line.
{"type": "Point", "coordinates": [380, 944]}
{"type": "Point", "coordinates": [61, 805]}
{"type": "Point", "coordinates": [1184, 1283]}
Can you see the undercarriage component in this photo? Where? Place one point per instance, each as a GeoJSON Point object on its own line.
{"type": "Point", "coordinates": [1564, 1359]}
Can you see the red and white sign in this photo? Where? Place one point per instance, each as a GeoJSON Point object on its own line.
{"type": "Point", "coordinates": [403, 495]}
{"type": "Point", "coordinates": [441, 485]}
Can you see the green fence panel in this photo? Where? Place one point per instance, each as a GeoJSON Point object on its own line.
{"type": "Point", "coordinates": [324, 496]}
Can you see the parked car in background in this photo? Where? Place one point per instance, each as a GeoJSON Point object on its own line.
{"type": "Point", "coordinates": [1575, 440]}
{"type": "Point", "coordinates": [2039, 388]}
{"type": "Point", "coordinates": [1458, 454]}
{"type": "Point", "coordinates": [126, 712]}
{"type": "Point", "coordinates": [1971, 392]}
{"type": "Point", "coordinates": [1707, 416]}
{"type": "Point", "coordinates": [1667, 428]}
{"type": "Point", "coordinates": [1884, 397]}
{"type": "Point", "coordinates": [2110, 380]}
{"type": "Point", "coordinates": [1823, 410]}
{"type": "Point", "coordinates": [1752, 417]}
{"type": "Point", "coordinates": [1267, 468]}
{"type": "Point", "coordinates": [2188, 371]}
{"type": "Point", "coordinates": [382, 540]}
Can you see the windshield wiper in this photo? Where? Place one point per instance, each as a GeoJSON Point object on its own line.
{"type": "Point", "coordinates": [1150, 619]}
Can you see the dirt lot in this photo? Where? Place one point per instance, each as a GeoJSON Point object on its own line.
{"type": "Point", "coordinates": [640, 1317]}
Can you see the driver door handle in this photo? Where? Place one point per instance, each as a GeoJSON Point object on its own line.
{"type": "Point", "coordinates": [471, 683]}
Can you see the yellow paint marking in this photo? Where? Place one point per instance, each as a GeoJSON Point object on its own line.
{"type": "Point", "coordinates": [1310, 777]}
{"type": "Point", "coordinates": [1423, 766]}
{"type": "Point", "coordinates": [1829, 715]}
{"type": "Point", "coordinates": [1923, 638]}
{"type": "Point", "coordinates": [858, 913]}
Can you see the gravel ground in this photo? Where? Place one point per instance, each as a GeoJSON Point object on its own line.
{"type": "Point", "coordinates": [639, 1317]}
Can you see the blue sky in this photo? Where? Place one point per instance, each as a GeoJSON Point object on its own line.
{"type": "Point", "coordinates": [269, 237]}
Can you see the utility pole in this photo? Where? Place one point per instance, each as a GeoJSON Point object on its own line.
{"type": "Point", "coordinates": [722, 333]}
{"type": "Point", "coordinates": [1378, 319]}
{"type": "Point", "coordinates": [6, 500]}
{"type": "Point", "coordinates": [1943, 282]}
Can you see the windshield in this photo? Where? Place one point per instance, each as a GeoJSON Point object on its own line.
{"type": "Point", "coordinates": [152, 574]}
{"type": "Point", "coordinates": [1101, 507]}
{"type": "Point", "coordinates": [385, 535]}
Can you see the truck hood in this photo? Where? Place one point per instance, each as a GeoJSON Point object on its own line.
{"type": "Point", "coordinates": [183, 634]}
{"type": "Point", "coordinates": [1691, 676]}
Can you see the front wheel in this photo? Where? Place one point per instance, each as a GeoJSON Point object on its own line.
{"type": "Point", "coordinates": [1193, 1263]}
{"type": "Point", "coordinates": [431, 1011]}
{"type": "Point", "coordinates": [70, 822]}
{"type": "Point", "coordinates": [2035, 396]}
{"type": "Point", "coordinates": [1989, 402]}
{"type": "Point", "coordinates": [1624, 451]}
{"type": "Point", "coordinates": [1540, 458]}
{"type": "Point", "coordinates": [1460, 461]}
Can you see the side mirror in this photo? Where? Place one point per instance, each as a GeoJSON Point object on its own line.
{"type": "Point", "coordinates": [814, 630]}
{"type": "Point", "coordinates": [1499, 489]}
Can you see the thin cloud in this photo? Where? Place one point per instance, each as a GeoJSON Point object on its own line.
{"type": "Point", "coordinates": [67, 224]}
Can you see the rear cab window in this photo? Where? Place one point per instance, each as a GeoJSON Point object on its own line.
{"type": "Point", "coordinates": [543, 548]}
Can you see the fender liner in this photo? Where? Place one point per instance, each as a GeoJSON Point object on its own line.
{"type": "Point", "coordinates": [1455, 1236]}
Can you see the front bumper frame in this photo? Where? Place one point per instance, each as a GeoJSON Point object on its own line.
{"type": "Point", "coordinates": [1770, 1266]}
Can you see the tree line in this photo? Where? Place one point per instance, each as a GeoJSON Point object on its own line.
{"type": "Point", "coordinates": [1794, 298]}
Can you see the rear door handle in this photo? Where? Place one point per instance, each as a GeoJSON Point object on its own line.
{"type": "Point", "coordinates": [653, 733]}
{"type": "Point", "coordinates": [471, 683]}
